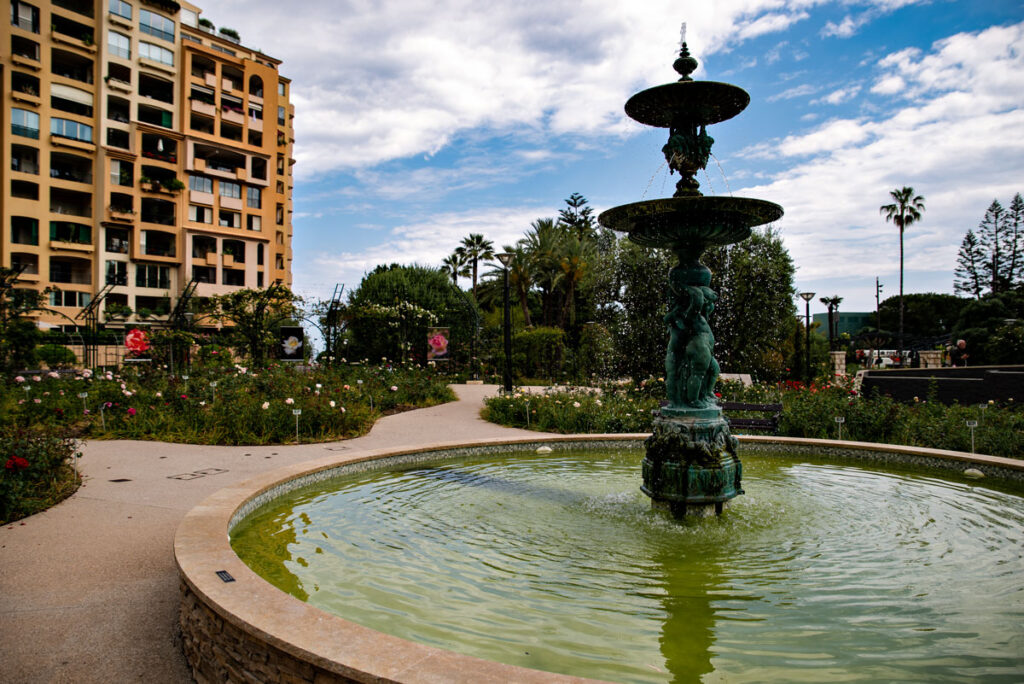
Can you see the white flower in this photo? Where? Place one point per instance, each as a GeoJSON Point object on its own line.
{"type": "Point", "coordinates": [266, 405]}
{"type": "Point", "coordinates": [394, 388]}
{"type": "Point", "coordinates": [318, 385]}
{"type": "Point", "coordinates": [159, 394]}
{"type": "Point", "coordinates": [53, 374]}
{"type": "Point", "coordinates": [332, 403]}
{"type": "Point", "coordinates": [202, 403]}
{"type": "Point", "coordinates": [597, 401]}
{"type": "Point", "coordinates": [87, 373]}
{"type": "Point", "coordinates": [291, 345]}
{"type": "Point", "coordinates": [126, 393]}
{"type": "Point", "coordinates": [289, 401]}
{"type": "Point", "coordinates": [343, 409]}
{"type": "Point", "coordinates": [575, 404]}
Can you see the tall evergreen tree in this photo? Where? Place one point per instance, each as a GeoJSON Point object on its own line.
{"type": "Point", "coordinates": [993, 233]}
{"type": "Point", "coordinates": [968, 278]}
{"type": "Point", "coordinates": [1015, 240]}
{"type": "Point", "coordinates": [578, 217]}
{"type": "Point", "coordinates": [905, 210]}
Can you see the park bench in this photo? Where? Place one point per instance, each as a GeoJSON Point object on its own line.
{"type": "Point", "coordinates": [768, 423]}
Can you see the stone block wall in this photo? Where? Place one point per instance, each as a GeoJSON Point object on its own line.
{"type": "Point", "coordinates": [219, 652]}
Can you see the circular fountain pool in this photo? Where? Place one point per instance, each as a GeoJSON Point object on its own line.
{"type": "Point", "coordinates": [558, 563]}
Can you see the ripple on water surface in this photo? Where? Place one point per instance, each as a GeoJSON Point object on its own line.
{"type": "Point", "coordinates": [556, 562]}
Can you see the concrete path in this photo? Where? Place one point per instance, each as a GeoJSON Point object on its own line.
{"type": "Point", "coordinates": [89, 589]}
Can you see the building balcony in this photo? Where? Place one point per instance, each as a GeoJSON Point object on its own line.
{"type": "Point", "coordinates": [122, 214]}
{"type": "Point", "coordinates": [118, 84]}
{"type": "Point", "coordinates": [84, 42]}
{"type": "Point", "coordinates": [232, 115]}
{"type": "Point", "coordinates": [255, 124]}
{"type": "Point", "coordinates": [200, 107]}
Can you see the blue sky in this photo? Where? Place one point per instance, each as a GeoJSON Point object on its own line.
{"type": "Point", "coordinates": [418, 122]}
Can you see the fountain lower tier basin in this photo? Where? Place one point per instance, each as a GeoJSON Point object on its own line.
{"type": "Point", "coordinates": [556, 564]}
{"type": "Point", "coordinates": [676, 222]}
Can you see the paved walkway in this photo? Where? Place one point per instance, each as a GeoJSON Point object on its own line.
{"type": "Point", "coordinates": [89, 589]}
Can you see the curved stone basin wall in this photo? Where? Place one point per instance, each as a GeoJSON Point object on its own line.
{"type": "Point", "coordinates": [246, 630]}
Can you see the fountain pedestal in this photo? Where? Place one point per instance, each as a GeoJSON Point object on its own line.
{"type": "Point", "coordinates": [691, 466]}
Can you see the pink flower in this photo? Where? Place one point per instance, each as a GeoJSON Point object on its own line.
{"type": "Point", "coordinates": [343, 409]}
{"type": "Point", "coordinates": [37, 401]}
{"type": "Point", "coordinates": [289, 401]}
{"type": "Point", "coordinates": [346, 387]}
{"type": "Point", "coordinates": [394, 388]}
{"type": "Point", "coordinates": [18, 378]}
{"type": "Point", "coordinates": [36, 378]}
{"type": "Point", "coordinates": [131, 412]}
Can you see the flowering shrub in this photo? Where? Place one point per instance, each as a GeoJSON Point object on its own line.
{"type": "Point", "coordinates": [807, 412]}
{"type": "Point", "coordinates": [222, 404]}
{"type": "Point", "coordinates": [36, 472]}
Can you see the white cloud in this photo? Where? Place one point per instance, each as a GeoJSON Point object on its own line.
{"type": "Point", "coordinates": [425, 242]}
{"type": "Point", "coordinates": [964, 128]}
{"type": "Point", "coordinates": [791, 93]}
{"type": "Point", "coordinates": [375, 82]}
{"type": "Point", "coordinates": [839, 96]}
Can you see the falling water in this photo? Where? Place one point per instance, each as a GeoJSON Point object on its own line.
{"type": "Point", "coordinates": [650, 182]}
{"type": "Point", "coordinates": [722, 171]}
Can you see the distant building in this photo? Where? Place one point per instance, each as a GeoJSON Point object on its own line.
{"type": "Point", "coordinates": [848, 322]}
{"type": "Point", "coordinates": [145, 152]}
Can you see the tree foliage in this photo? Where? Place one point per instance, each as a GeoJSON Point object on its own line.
{"type": "Point", "coordinates": [393, 306]}
{"type": "Point", "coordinates": [254, 316]}
{"type": "Point", "coordinates": [18, 334]}
{"type": "Point", "coordinates": [991, 260]}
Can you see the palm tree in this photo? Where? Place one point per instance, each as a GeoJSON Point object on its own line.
{"type": "Point", "coordinates": [543, 244]}
{"type": "Point", "coordinates": [575, 259]}
{"type": "Point", "coordinates": [476, 248]}
{"type": "Point", "coordinates": [905, 210]}
{"type": "Point", "coordinates": [456, 265]}
{"type": "Point", "coordinates": [832, 303]}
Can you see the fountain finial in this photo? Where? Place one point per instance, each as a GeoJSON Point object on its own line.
{"type": "Point", "coordinates": [684, 64]}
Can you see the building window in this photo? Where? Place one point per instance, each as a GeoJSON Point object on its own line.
{"type": "Point", "coordinates": [120, 45]}
{"type": "Point", "coordinates": [68, 298]}
{"type": "Point", "coordinates": [232, 276]}
{"type": "Point", "coordinates": [229, 219]}
{"type": "Point", "coordinates": [253, 198]}
{"type": "Point", "coordinates": [24, 230]}
{"type": "Point", "coordinates": [279, 215]}
{"type": "Point", "coordinates": [118, 138]}
{"type": "Point", "coordinates": [24, 16]}
{"type": "Point", "coordinates": [280, 115]}
{"type": "Point", "coordinates": [65, 231]}
{"type": "Point", "coordinates": [281, 88]}
{"type": "Point", "coordinates": [198, 214]}
{"type": "Point", "coordinates": [254, 222]}
{"type": "Point", "coordinates": [117, 272]}
{"type": "Point", "coordinates": [156, 25]}
{"type": "Point", "coordinates": [188, 18]}
{"type": "Point", "coordinates": [259, 254]}
{"type": "Point", "coordinates": [117, 240]}
{"type": "Point", "coordinates": [67, 128]}
{"type": "Point", "coordinates": [156, 53]}
{"type": "Point", "coordinates": [229, 189]}
{"type": "Point", "coordinates": [152, 275]}
{"type": "Point", "coordinates": [200, 184]}
{"type": "Point", "coordinates": [24, 123]}
{"type": "Point", "coordinates": [25, 159]}
{"type": "Point", "coordinates": [121, 9]}
{"type": "Point", "coordinates": [121, 172]}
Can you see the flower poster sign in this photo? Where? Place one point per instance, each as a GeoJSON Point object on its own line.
{"type": "Point", "coordinates": [137, 343]}
{"type": "Point", "coordinates": [289, 347]}
{"type": "Point", "coordinates": [438, 344]}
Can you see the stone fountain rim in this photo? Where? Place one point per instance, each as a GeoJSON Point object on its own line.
{"type": "Point", "coordinates": [292, 629]}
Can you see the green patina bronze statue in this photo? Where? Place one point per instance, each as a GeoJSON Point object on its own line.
{"type": "Point", "coordinates": [691, 465]}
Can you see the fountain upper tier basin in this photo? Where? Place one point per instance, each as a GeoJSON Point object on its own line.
{"type": "Point", "coordinates": [677, 222]}
{"type": "Point", "coordinates": [697, 103]}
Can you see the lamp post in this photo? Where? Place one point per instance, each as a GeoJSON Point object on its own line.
{"type": "Point", "coordinates": [506, 258]}
{"type": "Point", "coordinates": [807, 297]}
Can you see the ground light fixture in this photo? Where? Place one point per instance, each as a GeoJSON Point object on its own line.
{"type": "Point", "coordinates": [807, 297]}
{"type": "Point", "coordinates": [506, 258]}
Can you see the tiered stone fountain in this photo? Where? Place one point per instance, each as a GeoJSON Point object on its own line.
{"type": "Point", "coordinates": [691, 466]}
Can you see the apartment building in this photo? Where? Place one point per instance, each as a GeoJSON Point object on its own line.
{"type": "Point", "coordinates": [149, 154]}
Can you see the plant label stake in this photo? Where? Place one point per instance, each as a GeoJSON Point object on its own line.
{"type": "Point", "coordinates": [839, 423]}
{"type": "Point", "coordinates": [213, 390]}
{"type": "Point", "coordinates": [296, 413]}
{"type": "Point", "coordinates": [972, 424]}
{"type": "Point", "coordinates": [185, 378]}
{"type": "Point", "coordinates": [82, 396]}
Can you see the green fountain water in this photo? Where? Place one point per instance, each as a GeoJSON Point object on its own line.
{"type": "Point", "coordinates": [557, 562]}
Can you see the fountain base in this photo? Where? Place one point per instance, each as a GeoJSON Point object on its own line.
{"type": "Point", "coordinates": [691, 467]}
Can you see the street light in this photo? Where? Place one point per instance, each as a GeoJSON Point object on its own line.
{"type": "Point", "coordinates": [506, 258]}
{"type": "Point", "coordinates": [807, 297]}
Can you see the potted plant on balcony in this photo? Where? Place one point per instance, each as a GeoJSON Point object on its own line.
{"type": "Point", "coordinates": [206, 25]}
{"type": "Point", "coordinates": [173, 185]}
{"type": "Point", "coordinates": [230, 33]}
